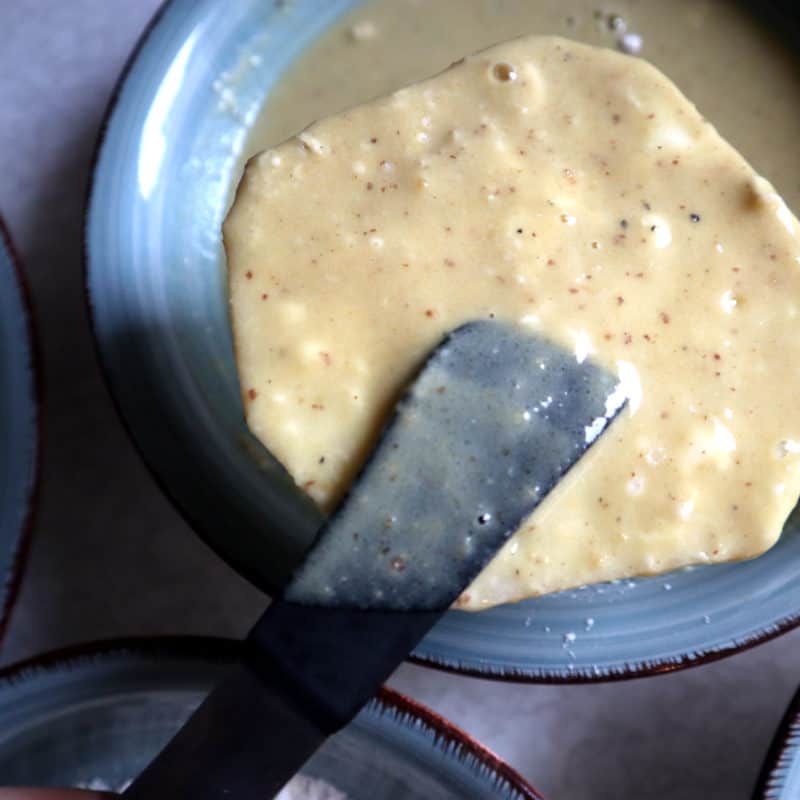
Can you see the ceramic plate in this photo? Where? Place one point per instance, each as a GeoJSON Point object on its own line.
{"type": "Point", "coordinates": [97, 716]}
{"type": "Point", "coordinates": [165, 166]}
{"type": "Point", "coordinates": [780, 775]}
{"type": "Point", "coordinates": [19, 433]}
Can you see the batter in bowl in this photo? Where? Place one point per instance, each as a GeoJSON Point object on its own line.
{"type": "Point", "coordinates": [572, 190]}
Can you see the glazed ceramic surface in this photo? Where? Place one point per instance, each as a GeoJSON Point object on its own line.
{"type": "Point", "coordinates": [169, 157]}
{"type": "Point", "coordinates": [780, 775]}
{"type": "Point", "coordinates": [98, 715]}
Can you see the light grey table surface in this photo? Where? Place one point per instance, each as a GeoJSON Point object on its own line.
{"type": "Point", "coordinates": [111, 557]}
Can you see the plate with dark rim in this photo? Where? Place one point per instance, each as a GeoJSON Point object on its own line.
{"type": "Point", "coordinates": [19, 424]}
{"type": "Point", "coordinates": [169, 154]}
{"type": "Point", "coordinates": [97, 714]}
{"type": "Point", "coordinates": [780, 775]}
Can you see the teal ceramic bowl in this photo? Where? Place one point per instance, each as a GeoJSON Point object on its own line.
{"type": "Point", "coordinates": [19, 424]}
{"type": "Point", "coordinates": [95, 716]}
{"type": "Point", "coordinates": [168, 158]}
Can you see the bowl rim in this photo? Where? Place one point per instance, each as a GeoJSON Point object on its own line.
{"type": "Point", "coordinates": [784, 749]}
{"type": "Point", "coordinates": [447, 736]}
{"type": "Point", "coordinates": [25, 533]}
{"type": "Point", "coordinates": [626, 671]}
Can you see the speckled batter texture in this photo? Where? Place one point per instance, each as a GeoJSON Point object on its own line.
{"type": "Point", "coordinates": [571, 190]}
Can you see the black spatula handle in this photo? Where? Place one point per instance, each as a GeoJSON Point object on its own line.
{"type": "Point", "coordinates": [306, 673]}
{"type": "Point", "coordinates": [491, 423]}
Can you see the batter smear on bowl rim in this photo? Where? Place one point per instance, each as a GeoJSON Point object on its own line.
{"type": "Point", "coordinates": [570, 190]}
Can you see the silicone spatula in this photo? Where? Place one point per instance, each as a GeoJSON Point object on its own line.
{"type": "Point", "coordinates": [492, 421]}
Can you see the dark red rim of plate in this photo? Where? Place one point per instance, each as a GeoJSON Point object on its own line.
{"type": "Point", "coordinates": [779, 747]}
{"type": "Point", "coordinates": [26, 530]}
{"type": "Point", "coordinates": [655, 667]}
{"type": "Point", "coordinates": [221, 651]}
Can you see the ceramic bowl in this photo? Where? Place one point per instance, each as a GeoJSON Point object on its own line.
{"type": "Point", "coordinates": [169, 156]}
{"type": "Point", "coordinates": [780, 775]}
{"type": "Point", "coordinates": [96, 715]}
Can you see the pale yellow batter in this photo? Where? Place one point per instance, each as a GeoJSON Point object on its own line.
{"type": "Point", "coordinates": [573, 191]}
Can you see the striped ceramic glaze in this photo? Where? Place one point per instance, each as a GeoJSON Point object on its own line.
{"type": "Point", "coordinates": [101, 712]}
{"type": "Point", "coordinates": [780, 775]}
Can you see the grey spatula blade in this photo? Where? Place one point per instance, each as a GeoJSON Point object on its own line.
{"type": "Point", "coordinates": [490, 425]}
{"type": "Point", "coordinates": [492, 422]}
